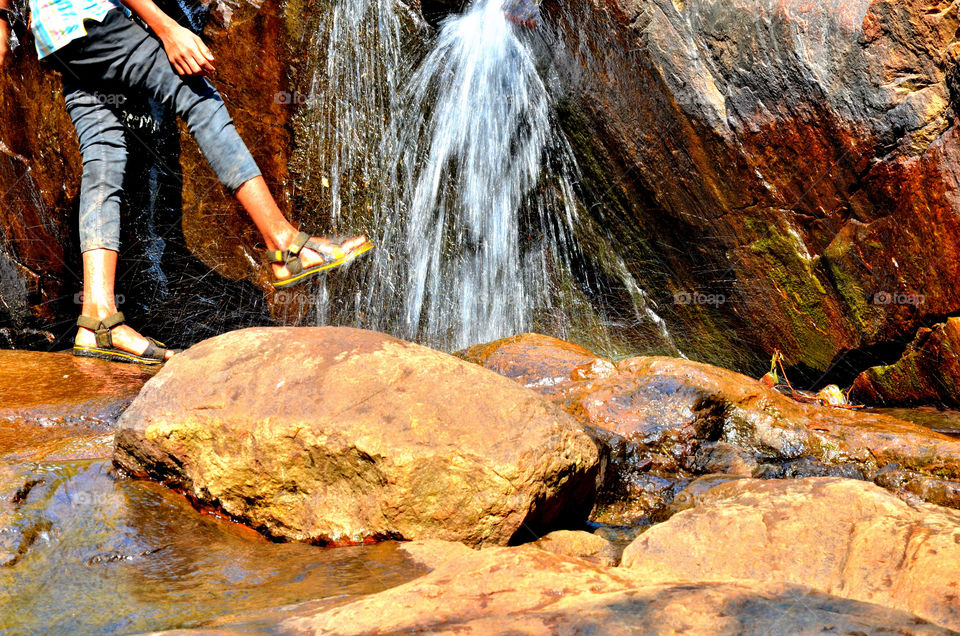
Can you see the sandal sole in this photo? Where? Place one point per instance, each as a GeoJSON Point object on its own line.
{"type": "Point", "coordinates": [114, 356]}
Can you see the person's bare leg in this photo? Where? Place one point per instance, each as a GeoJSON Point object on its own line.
{"type": "Point", "coordinates": [99, 301]}
{"type": "Point", "coordinates": [277, 232]}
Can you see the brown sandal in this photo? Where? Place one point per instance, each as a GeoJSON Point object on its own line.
{"type": "Point", "coordinates": [156, 352]}
{"type": "Point", "coordinates": [290, 258]}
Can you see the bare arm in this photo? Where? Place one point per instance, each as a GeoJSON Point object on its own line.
{"type": "Point", "coordinates": [187, 52]}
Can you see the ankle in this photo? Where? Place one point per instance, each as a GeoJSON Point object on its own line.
{"type": "Point", "coordinates": [282, 239]}
{"type": "Point", "coordinates": [99, 312]}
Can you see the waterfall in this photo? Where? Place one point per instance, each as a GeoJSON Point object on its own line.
{"type": "Point", "coordinates": [470, 163]}
{"type": "Point", "coordinates": [446, 151]}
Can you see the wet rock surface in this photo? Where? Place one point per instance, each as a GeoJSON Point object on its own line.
{"type": "Point", "coordinates": [85, 550]}
{"type": "Point", "coordinates": [662, 421]}
{"type": "Point", "coordinates": [342, 435]}
{"type": "Point", "coordinates": [499, 590]}
{"type": "Point", "coordinates": [927, 373]}
{"type": "Point", "coordinates": [842, 537]}
{"type": "Point", "coordinates": [57, 406]}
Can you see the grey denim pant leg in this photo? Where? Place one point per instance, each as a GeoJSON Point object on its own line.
{"type": "Point", "coordinates": [118, 57]}
{"type": "Point", "coordinates": [104, 151]}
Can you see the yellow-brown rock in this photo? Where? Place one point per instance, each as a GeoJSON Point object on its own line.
{"type": "Point", "coordinates": [529, 591]}
{"type": "Point", "coordinates": [342, 435]}
{"type": "Point", "coordinates": [842, 537]}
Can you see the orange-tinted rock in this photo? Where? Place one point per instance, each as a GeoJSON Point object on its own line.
{"type": "Point", "coordinates": [770, 424]}
{"type": "Point", "coordinates": [781, 175]}
{"type": "Point", "coordinates": [534, 360]}
{"type": "Point", "coordinates": [927, 373]}
{"type": "Point", "coordinates": [661, 421]}
{"type": "Point", "coordinates": [341, 435]}
{"type": "Point", "coordinates": [842, 537]}
{"type": "Point", "coordinates": [39, 179]}
{"type": "Point", "coordinates": [580, 545]}
{"type": "Point", "coordinates": [57, 406]}
{"type": "Point", "coordinates": [529, 591]}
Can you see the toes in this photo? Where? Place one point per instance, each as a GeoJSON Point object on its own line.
{"type": "Point", "coordinates": [355, 242]}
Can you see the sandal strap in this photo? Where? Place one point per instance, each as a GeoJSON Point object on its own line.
{"type": "Point", "coordinates": [102, 327]}
{"type": "Point", "coordinates": [290, 257]}
{"type": "Point", "coordinates": [154, 351]}
{"type": "Point", "coordinates": [301, 239]}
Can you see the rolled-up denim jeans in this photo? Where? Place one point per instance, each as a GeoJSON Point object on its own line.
{"type": "Point", "coordinates": [115, 59]}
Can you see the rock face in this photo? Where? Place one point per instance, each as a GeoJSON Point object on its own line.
{"type": "Point", "coordinates": [40, 187]}
{"type": "Point", "coordinates": [929, 372]}
{"type": "Point", "coordinates": [525, 590]}
{"type": "Point", "coordinates": [841, 537]}
{"type": "Point", "coordinates": [342, 435]}
{"type": "Point", "coordinates": [795, 161]}
{"type": "Point", "coordinates": [663, 420]}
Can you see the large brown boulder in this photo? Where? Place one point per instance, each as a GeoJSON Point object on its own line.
{"type": "Point", "coordinates": [529, 591]}
{"type": "Point", "coordinates": [342, 435]}
{"type": "Point", "coordinates": [781, 174]}
{"type": "Point", "coordinates": [928, 372]}
{"type": "Point", "coordinates": [842, 537]}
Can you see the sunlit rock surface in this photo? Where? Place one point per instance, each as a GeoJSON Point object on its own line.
{"type": "Point", "coordinates": [526, 590]}
{"type": "Point", "coordinates": [581, 545]}
{"type": "Point", "coordinates": [781, 174]}
{"type": "Point", "coordinates": [342, 435]}
{"type": "Point", "coordinates": [841, 537]}
{"type": "Point", "coordinates": [928, 372]}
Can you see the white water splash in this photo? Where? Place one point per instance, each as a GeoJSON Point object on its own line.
{"type": "Point", "coordinates": [472, 163]}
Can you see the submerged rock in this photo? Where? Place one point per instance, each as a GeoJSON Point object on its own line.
{"type": "Point", "coordinates": [842, 537]}
{"type": "Point", "coordinates": [526, 590]}
{"type": "Point", "coordinates": [342, 435]}
{"type": "Point", "coordinates": [54, 406]}
{"type": "Point", "coordinates": [928, 372]}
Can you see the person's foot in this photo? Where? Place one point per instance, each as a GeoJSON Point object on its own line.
{"type": "Point", "coordinates": [310, 257]}
{"type": "Point", "coordinates": [124, 337]}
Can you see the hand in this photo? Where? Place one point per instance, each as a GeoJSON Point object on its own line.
{"type": "Point", "coordinates": [4, 42]}
{"type": "Point", "coordinates": [187, 53]}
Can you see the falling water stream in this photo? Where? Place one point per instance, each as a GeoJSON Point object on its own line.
{"type": "Point", "coordinates": [448, 152]}
{"type": "Point", "coordinates": [472, 161]}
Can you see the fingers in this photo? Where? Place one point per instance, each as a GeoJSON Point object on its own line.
{"type": "Point", "coordinates": [202, 56]}
{"type": "Point", "coordinates": [188, 54]}
{"type": "Point", "coordinates": [192, 67]}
